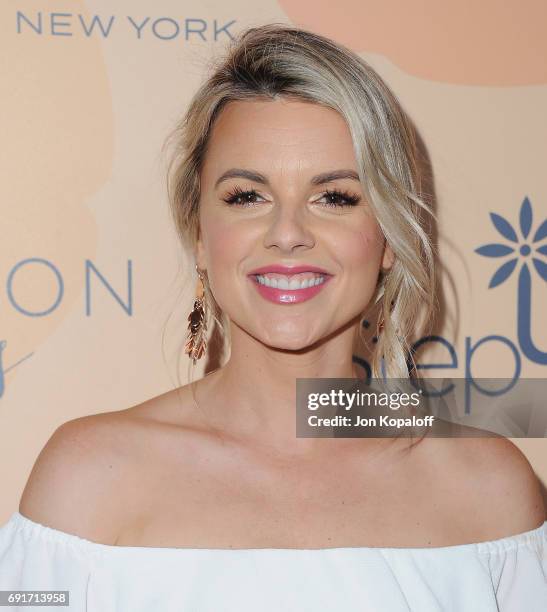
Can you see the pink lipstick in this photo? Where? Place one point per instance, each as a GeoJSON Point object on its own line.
{"type": "Point", "coordinates": [289, 284]}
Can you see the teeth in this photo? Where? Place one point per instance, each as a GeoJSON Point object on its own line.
{"type": "Point", "coordinates": [297, 281]}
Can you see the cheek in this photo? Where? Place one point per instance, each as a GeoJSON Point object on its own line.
{"type": "Point", "coordinates": [361, 249]}
{"type": "Point", "coordinates": [225, 246]}
{"type": "Point", "coordinates": [220, 241]}
{"type": "Point", "coordinates": [359, 256]}
{"type": "Point", "coordinates": [220, 247]}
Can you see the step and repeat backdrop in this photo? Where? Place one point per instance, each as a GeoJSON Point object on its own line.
{"type": "Point", "coordinates": [95, 289]}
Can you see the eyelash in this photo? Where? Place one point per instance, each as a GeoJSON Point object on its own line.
{"type": "Point", "coordinates": [237, 192]}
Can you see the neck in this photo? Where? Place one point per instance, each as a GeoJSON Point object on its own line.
{"type": "Point", "coordinates": [252, 397]}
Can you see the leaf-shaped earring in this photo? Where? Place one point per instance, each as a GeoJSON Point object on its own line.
{"type": "Point", "coordinates": [381, 322]}
{"type": "Point", "coordinates": [197, 323]}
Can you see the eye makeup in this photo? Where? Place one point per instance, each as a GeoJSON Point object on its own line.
{"type": "Point", "coordinates": [340, 198]}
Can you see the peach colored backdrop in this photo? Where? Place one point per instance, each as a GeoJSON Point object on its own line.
{"type": "Point", "coordinates": [90, 91]}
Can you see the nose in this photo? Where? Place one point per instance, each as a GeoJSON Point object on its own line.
{"type": "Point", "coordinates": [288, 230]}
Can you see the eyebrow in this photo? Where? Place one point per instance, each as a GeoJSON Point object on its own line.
{"type": "Point", "coordinates": [256, 177]}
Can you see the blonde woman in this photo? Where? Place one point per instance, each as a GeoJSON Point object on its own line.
{"type": "Point", "coordinates": [294, 181]}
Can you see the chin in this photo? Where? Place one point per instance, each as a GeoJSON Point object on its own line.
{"type": "Point", "coordinates": [287, 343]}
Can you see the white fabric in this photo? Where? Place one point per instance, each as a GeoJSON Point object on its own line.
{"type": "Point", "coordinates": [508, 574]}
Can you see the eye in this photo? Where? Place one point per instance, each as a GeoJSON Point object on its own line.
{"type": "Point", "coordinates": [341, 198]}
{"type": "Point", "coordinates": [240, 197]}
{"type": "Point", "coordinates": [244, 198]}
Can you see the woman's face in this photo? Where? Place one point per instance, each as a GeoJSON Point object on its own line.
{"type": "Point", "coordinates": [289, 220]}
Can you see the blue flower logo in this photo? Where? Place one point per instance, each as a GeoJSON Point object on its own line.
{"type": "Point", "coordinates": [524, 249]}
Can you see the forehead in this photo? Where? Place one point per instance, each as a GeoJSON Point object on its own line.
{"type": "Point", "coordinates": [278, 135]}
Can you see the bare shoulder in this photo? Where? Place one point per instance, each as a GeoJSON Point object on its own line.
{"type": "Point", "coordinates": [90, 477]}
{"type": "Point", "coordinates": [73, 477]}
{"type": "Point", "coordinates": [496, 489]}
{"type": "Point", "coordinates": [509, 486]}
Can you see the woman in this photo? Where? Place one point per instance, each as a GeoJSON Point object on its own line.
{"type": "Point", "coordinates": [295, 182]}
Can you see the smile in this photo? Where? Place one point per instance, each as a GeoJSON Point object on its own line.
{"type": "Point", "coordinates": [289, 289]}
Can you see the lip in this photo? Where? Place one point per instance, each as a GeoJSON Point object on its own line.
{"type": "Point", "coordinates": [288, 296]}
{"type": "Point", "coordinates": [288, 270]}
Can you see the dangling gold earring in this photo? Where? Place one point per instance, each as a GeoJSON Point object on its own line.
{"type": "Point", "coordinates": [197, 323]}
{"type": "Point", "coordinates": [381, 326]}
{"type": "Point", "coordinates": [382, 323]}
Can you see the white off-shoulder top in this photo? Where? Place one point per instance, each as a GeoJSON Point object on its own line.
{"type": "Point", "coordinates": [507, 575]}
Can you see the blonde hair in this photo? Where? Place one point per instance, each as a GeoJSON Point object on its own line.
{"type": "Point", "coordinates": [277, 60]}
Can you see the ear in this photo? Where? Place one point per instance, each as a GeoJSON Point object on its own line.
{"type": "Point", "coordinates": [200, 252]}
{"type": "Point", "coordinates": [388, 258]}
